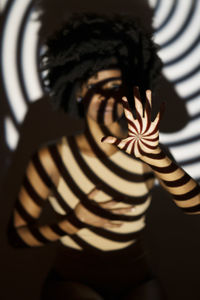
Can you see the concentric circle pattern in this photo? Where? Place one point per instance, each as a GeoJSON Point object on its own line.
{"type": "Point", "coordinates": [176, 24]}
{"type": "Point", "coordinates": [177, 29]}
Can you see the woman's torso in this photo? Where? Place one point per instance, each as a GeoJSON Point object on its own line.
{"type": "Point", "coordinates": [118, 176]}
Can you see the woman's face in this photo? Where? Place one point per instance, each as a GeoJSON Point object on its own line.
{"type": "Point", "coordinates": [102, 95]}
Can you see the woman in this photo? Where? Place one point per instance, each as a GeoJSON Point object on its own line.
{"type": "Point", "coordinates": [99, 181]}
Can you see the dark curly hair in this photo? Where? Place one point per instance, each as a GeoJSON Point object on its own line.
{"type": "Point", "coordinates": [86, 44]}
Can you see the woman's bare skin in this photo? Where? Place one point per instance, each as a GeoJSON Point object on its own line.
{"type": "Point", "coordinates": [185, 193]}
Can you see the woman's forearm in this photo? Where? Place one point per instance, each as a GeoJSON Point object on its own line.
{"type": "Point", "coordinates": [33, 235]}
{"type": "Point", "coordinates": [184, 190]}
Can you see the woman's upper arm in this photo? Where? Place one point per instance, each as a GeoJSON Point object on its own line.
{"type": "Point", "coordinates": [35, 188]}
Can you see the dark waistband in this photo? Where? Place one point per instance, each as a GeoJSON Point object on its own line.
{"type": "Point", "coordinates": [122, 256]}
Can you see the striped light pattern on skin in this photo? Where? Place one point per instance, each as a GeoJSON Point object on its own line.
{"type": "Point", "coordinates": [143, 134]}
{"type": "Point", "coordinates": [176, 24]}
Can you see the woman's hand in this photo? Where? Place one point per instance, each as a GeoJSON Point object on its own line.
{"type": "Point", "coordinates": [143, 134]}
{"type": "Point", "coordinates": [86, 216]}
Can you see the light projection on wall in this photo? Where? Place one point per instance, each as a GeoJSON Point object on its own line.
{"type": "Point", "coordinates": [177, 31]}
{"type": "Point", "coordinates": [176, 24]}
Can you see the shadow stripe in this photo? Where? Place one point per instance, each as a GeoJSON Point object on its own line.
{"type": "Point", "coordinates": [129, 176]}
{"type": "Point", "coordinates": [187, 196]}
{"type": "Point", "coordinates": [184, 142]}
{"type": "Point", "coordinates": [97, 181]}
{"type": "Point", "coordinates": [156, 7]}
{"type": "Point", "coordinates": [175, 183]}
{"type": "Point", "coordinates": [184, 26]}
{"type": "Point", "coordinates": [19, 50]}
{"type": "Point", "coordinates": [32, 192]}
{"type": "Point", "coordinates": [23, 213]}
{"type": "Point", "coordinates": [75, 188]}
{"type": "Point", "coordinates": [169, 169]}
{"type": "Point", "coordinates": [187, 75]}
{"type": "Point", "coordinates": [191, 209]}
{"type": "Point", "coordinates": [45, 177]}
{"type": "Point", "coordinates": [96, 209]}
{"type": "Point", "coordinates": [36, 233]}
{"type": "Point", "coordinates": [168, 17]}
{"type": "Point", "coordinates": [55, 227]}
{"type": "Point", "coordinates": [184, 54]}
{"type": "Point", "coordinates": [121, 237]}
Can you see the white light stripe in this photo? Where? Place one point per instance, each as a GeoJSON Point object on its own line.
{"type": "Point", "coordinates": [187, 87]}
{"type": "Point", "coordinates": [184, 66]}
{"type": "Point", "coordinates": [162, 12]}
{"type": "Point", "coordinates": [175, 23]}
{"type": "Point", "coordinates": [168, 53]}
{"type": "Point", "coordinates": [3, 4]}
{"type": "Point", "coordinates": [9, 65]}
{"type": "Point", "coordinates": [192, 150]}
{"type": "Point", "coordinates": [152, 3]}
{"type": "Point", "coordinates": [189, 131]}
{"type": "Point", "coordinates": [187, 152]}
{"type": "Point", "coordinates": [29, 58]}
{"type": "Point", "coordinates": [193, 106]}
{"type": "Point", "coordinates": [179, 45]}
{"type": "Point", "coordinates": [193, 170]}
{"type": "Point", "coordinates": [11, 134]}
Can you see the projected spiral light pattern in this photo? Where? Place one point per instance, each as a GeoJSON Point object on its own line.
{"type": "Point", "coordinates": [176, 24]}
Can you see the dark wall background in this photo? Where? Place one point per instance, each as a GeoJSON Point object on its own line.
{"type": "Point", "coordinates": [172, 237]}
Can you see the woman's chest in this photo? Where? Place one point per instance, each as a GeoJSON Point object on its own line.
{"type": "Point", "coordinates": [118, 177]}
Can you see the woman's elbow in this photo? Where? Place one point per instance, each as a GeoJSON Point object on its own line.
{"type": "Point", "coordinates": [13, 238]}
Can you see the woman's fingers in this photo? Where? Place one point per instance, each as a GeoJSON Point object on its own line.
{"type": "Point", "coordinates": [159, 115]}
{"type": "Point", "coordinates": [92, 219]}
{"type": "Point", "coordinates": [127, 110]}
{"type": "Point", "coordinates": [138, 103]}
{"type": "Point", "coordinates": [120, 211]}
{"type": "Point", "coordinates": [114, 141]}
{"type": "Point", "coordinates": [134, 125]}
{"type": "Point", "coordinates": [109, 139]}
{"type": "Point", "coordinates": [93, 193]}
{"type": "Point", "coordinates": [149, 99]}
{"type": "Point", "coordinates": [112, 225]}
{"type": "Point", "coordinates": [97, 221]}
{"type": "Point", "coordinates": [147, 111]}
{"type": "Point", "coordinates": [86, 216]}
{"type": "Point", "coordinates": [120, 143]}
{"type": "Point", "coordinates": [111, 203]}
{"type": "Point", "coordinates": [108, 204]}
{"type": "Point", "coordinates": [102, 222]}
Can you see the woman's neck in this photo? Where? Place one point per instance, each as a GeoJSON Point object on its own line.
{"type": "Point", "coordinates": [96, 132]}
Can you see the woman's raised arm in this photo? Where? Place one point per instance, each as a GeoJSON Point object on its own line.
{"type": "Point", "coordinates": [143, 142]}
